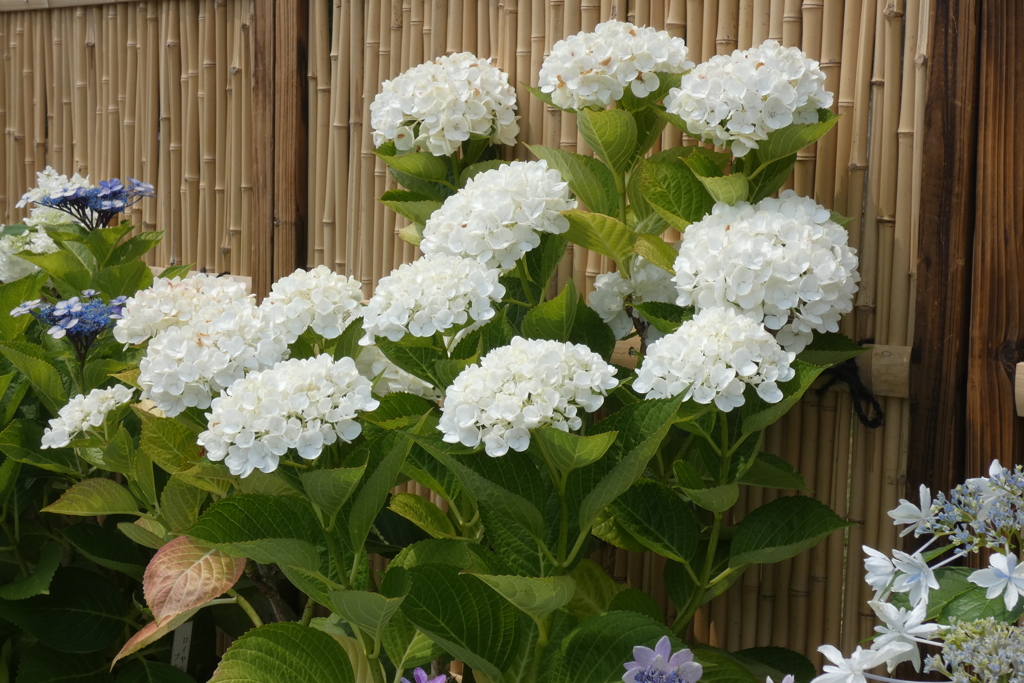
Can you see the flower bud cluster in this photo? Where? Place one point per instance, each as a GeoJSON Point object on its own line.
{"type": "Point", "coordinates": [530, 383]}
{"type": "Point", "coordinates": [738, 99]}
{"type": "Point", "coordinates": [498, 215]}
{"type": "Point", "coordinates": [436, 106]}
{"type": "Point", "coordinates": [302, 404]}
{"type": "Point", "coordinates": [594, 69]}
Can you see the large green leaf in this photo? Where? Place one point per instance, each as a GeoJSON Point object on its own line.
{"type": "Point", "coordinates": [41, 664]}
{"type": "Point", "coordinates": [568, 451]}
{"type": "Point", "coordinates": [729, 189]}
{"type": "Point", "coordinates": [419, 164]}
{"type": "Point", "coordinates": [20, 440]}
{"type": "Point", "coordinates": [91, 497]}
{"type": "Point", "coordinates": [463, 615]}
{"type": "Point", "coordinates": [419, 359]}
{"type": "Point", "coordinates": [70, 266]}
{"type": "Point", "coordinates": [611, 134]}
{"type": "Point", "coordinates": [771, 471]}
{"type": "Point", "coordinates": [107, 547]}
{"type": "Point", "coordinates": [675, 192]}
{"type": "Point", "coordinates": [406, 645]}
{"type": "Point", "coordinates": [603, 234]}
{"type": "Point", "coordinates": [83, 612]}
{"type": "Point", "coordinates": [168, 443]}
{"type": "Point", "coordinates": [31, 361]}
{"type": "Point", "coordinates": [720, 666]}
{"type": "Point", "coordinates": [329, 490]}
{"type": "Point", "coordinates": [38, 582]}
{"type": "Point", "coordinates": [382, 470]}
{"type": "Point", "coordinates": [134, 247]}
{"type": "Point", "coordinates": [285, 653]}
{"type": "Point", "coordinates": [657, 252]}
{"type": "Point", "coordinates": [590, 330]}
{"type": "Point", "coordinates": [590, 180]}
{"type": "Point", "coordinates": [782, 660]}
{"type": "Point", "coordinates": [665, 317]}
{"type": "Point", "coordinates": [180, 503]}
{"type": "Point", "coordinates": [595, 651]}
{"type": "Point", "coordinates": [415, 207]}
{"type": "Point", "coordinates": [371, 612]}
{"type": "Point", "coordinates": [423, 514]}
{"type": "Point", "coordinates": [956, 597]}
{"type": "Point", "coordinates": [553, 319]}
{"type": "Point", "coordinates": [771, 179]}
{"type": "Point", "coordinates": [14, 294]}
{"type": "Point", "coordinates": [781, 529]}
{"type": "Point", "coordinates": [536, 596]}
{"type": "Point", "coordinates": [122, 280]}
{"type": "Point", "coordinates": [791, 139]}
{"type": "Point", "coordinates": [595, 590]}
{"type": "Point", "coordinates": [399, 410]}
{"type": "Point", "coordinates": [657, 517]}
{"type": "Point", "coordinates": [148, 671]}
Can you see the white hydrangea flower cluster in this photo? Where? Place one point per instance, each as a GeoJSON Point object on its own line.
{"type": "Point", "coordinates": [713, 357]}
{"type": "Point", "coordinates": [168, 303]}
{"type": "Point", "coordinates": [436, 106]}
{"type": "Point", "coordinates": [388, 378]}
{"type": "Point", "coordinates": [319, 298]}
{"type": "Point", "coordinates": [530, 383]}
{"type": "Point", "coordinates": [186, 364]}
{"type": "Point", "coordinates": [82, 413]}
{"type": "Point", "coordinates": [646, 282]}
{"type": "Point", "coordinates": [594, 69]}
{"type": "Point", "coordinates": [302, 404]}
{"type": "Point", "coordinates": [48, 217]}
{"type": "Point", "coordinates": [742, 97]}
{"type": "Point", "coordinates": [778, 259]}
{"type": "Point", "coordinates": [53, 185]}
{"type": "Point", "coordinates": [14, 267]}
{"type": "Point", "coordinates": [432, 294]}
{"type": "Point", "coordinates": [497, 216]}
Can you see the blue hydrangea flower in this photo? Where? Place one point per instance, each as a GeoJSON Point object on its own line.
{"type": "Point", "coordinates": [80, 320]}
{"type": "Point", "coordinates": [420, 676]}
{"type": "Point", "coordinates": [92, 207]}
{"type": "Point", "coordinates": [661, 665]}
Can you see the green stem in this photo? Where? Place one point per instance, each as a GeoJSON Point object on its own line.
{"type": "Point", "coordinates": [307, 612]}
{"type": "Point", "coordinates": [543, 629]}
{"type": "Point", "coordinates": [246, 607]}
{"type": "Point", "coordinates": [339, 558]}
{"type": "Point", "coordinates": [620, 189]}
{"type": "Point", "coordinates": [15, 550]}
{"type": "Point", "coordinates": [524, 277]}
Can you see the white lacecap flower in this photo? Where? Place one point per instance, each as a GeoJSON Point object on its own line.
{"type": "Point", "coordinates": [781, 260]}
{"type": "Point", "coordinates": [52, 185]}
{"type": "Point", "coordinates": [83, 413]}
{"type": "Point", "coordinates": [911, 515]}
{"type": "Point", "coordinates": [168, 303]}
{"type": "Point", "coordinates": [318, 298]}
{"type": "Point", "coordinates": [187, 364]}
{"type": "Point", "coordinates": [432, 294]}
{"type": "Point", "coordinates": [388, 378]}
{"type": "Point", "coordinates": [499, 215]}
{"type": "Point", "coordinates": [879, 570]}
{"type": "Point", "coordinates": [528, 384]}
{"type": "Point", "coordinates": [436, 106]}
{"type": "Point", "coordinates": [851, 669]}
{"type": "Point", "coordinates": [900, 625]}
{"type": "Point", "coordinates": [738, 99]}
{"type": "Point", "coordinates": [1004, 576]}
{"type": "Point", "coordinates": [299, 404]}
{"type": "Point", "coordinates": [594, 69]}
{"type": "Point", "coordinates": [13, 267]}
{"type": "Point", "coordinates": [48, 217]}
{"type": "Point", "coordinates": [913, 576]}
{"type": "Point", "coordinates": [646, 283]}
{"type": "Point", "coordinates": [713, 357]}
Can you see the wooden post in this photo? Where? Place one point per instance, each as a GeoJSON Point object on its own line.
{"type": "Point", "coordinates": [997, 307]}
{"type": "Point", "coordinates": [938, 373]}
{"type": "Point", "coordinates": [280, 174]}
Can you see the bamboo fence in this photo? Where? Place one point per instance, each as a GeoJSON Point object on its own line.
{"type": "Point", "coordinates": [160, 90]}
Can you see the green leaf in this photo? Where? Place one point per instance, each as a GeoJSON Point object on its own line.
{"type": "Point", "coordinates": [180, 502]}
{"type": "Point", "coordinates": [497, 332]}
{"type": "Point", "coordinates": [415, 207]}
{"type": "Point", "coordinates": [553, 319]}
{"type": "Point", "coordinates": [406, 645]}
{"type": "Point", "coordinates": [83, 612]}
{"type": "Point", "coordinates": [595, 651]}
{"type": "Point", "coordinates": [423, 514]}
{"type": "Point", "coordinates": [370, 612]}
{"type": "Point", "coordinates": [329, 490]}
{"type": "Point", "coordinates": [544, 97]}
{"type": "Point", "coordinates": [595, 590]}
{"type": "Point", "coordinates": [20, 441]}
{"type": "Point", "coordinates": [657, 251]}
{"type": "Point", "coordinates": [14, 294]}
{"type": "Point", "coordinates": [958, 598]}
{"type": "Point", "coordinates": [665, 318]}
{"type": "Point", "coordinates": [658, 518]}
{"type": "Point", "coordinates": [123, 280]}
{"type": "Point", "coordinates": [91, 497]}
{"type": "Point", "coordinates": [41, 664]}
{"type": "Point", "coordinates": [418, 164]}
{"type": "Point", "coordinates": [150, 633]}
{"type": "Point", "coordinates": [567, 451]}
{"type": "Point", "coordinates": [791, 139]}
{"type": "Point", "coordinates": [771, 471]}
{"type": "Point", "coordinates": [782, 660]}
{"type": "Point", "coordinates": [185, 574]}
{"type": "Point", "coordinates": [666, 81]}
{"type": "Point", "coordinates": [829, 349]}
{"type": "Point", "coordinates": [68, 265]}
{"type": "Point", "coordinates": [649, 127]}
{"type": "Point", "coordinates": [168, 443]}
{"type": "Point", "coordinates": [347, 344]}
{"type": "Point", "coordinates": [148, 671]}
{"type": "Point", "coordinates": [720, 666]}
{"type": "Point", "coordinates": [647, 423]}
{"type": "Point", "coordinates": [541, 264]}
{"type": "Point", "coordinates": [537, 597]}
{"type": "Point", "coordinates": [416, 359]}
{"type": "Point", "coordinates": [476, 169]}
{"type": "Point", "coordinates": [729, 189]}
{"type": "Point", "coordinates": [590, 330]}
{"type": "Point", "coordinates": [603, 234]}
{"type": "Point", "coordinates": [840, 218]}
{"type": "Point", "coordinates": [106, 547]}
{"type": "Point", "coordinates": [634, 600]}
{"type": "Point", "coordinates": [611, 134]}
{"type": "Point", "coordinates": [463, 615]}
{"type": "Point", "coordinates": [771, 179]}
{"type": "Point", "coordinates": [149, 534]}
{"type": "Point", "coordinates": [285, 652]}
{"type": "Point", "coordinates": [42, 375]}
{"type": "Point", "coordinates": [134, 247]}
{"type": "Point", "coordinates": [591, 181]}
{"type": "Point", "coordinates": [412, 233]}
{"type": "Point", "coordinates": [610, 531]}
{"type": "Point", "coordinates": [782, 529]}
{"type": "Point", "coordinates": [38, 582]}
{"type": "Point", "coordinates": [382, 471]}
{"type": "Point", "coordinates": [674, 192]}
{"type": "Point", "coordinates": [714, 498]}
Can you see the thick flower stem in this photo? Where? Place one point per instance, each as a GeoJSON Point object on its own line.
{"type": "Point", "coordinates": [339, 560]}
{"type": "Point", "coordinates": [246, 607]}
{"type": "Point", "coordinates": [543, 634]}
{"type": "Point", "coordinates": [524, 277]}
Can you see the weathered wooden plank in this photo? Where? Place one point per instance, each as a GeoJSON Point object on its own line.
{"type": "Point", "coordinates": [997, 306]}
{"type": "Point", "coordinates": [262, 229]}
{"type": "Point", "coordinates": [938, 374]}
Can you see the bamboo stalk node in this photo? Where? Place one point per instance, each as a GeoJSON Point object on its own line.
{"type": "Point", "coordinates": [1018, 389]}
{"type": "Point", "coordinates": [885, 370]}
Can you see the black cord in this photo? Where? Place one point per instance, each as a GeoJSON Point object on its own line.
{"type": "Point", "coordinates": [868, 408]}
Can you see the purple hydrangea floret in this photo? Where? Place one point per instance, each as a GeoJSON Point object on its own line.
{"type": "Point", "coordinates": [661, 665]}
{"type": "Point", "coordinates": [421, 676]}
